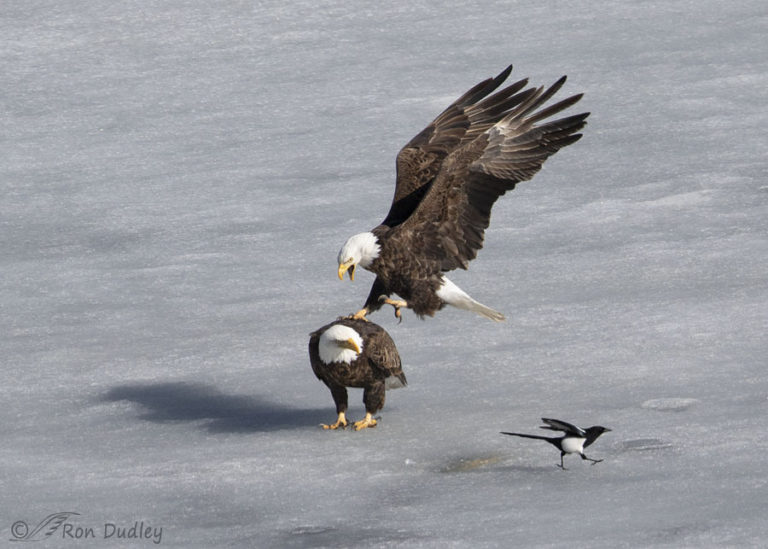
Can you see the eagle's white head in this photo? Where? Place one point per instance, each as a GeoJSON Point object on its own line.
{"type": "Point", "coordinates": [340, 343]}
{"type": "Point", "coordinates": [360, 249]}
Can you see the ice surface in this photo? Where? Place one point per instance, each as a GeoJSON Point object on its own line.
{"type": "Point", "coordinates": [177, 178]}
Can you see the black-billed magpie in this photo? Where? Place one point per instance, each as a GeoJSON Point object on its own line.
{"type": "Point", "coordinates": [573, 441]}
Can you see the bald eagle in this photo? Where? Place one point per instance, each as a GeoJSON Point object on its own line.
{"type": "Point", "coordinates": [448, 178]}
{"type": "Point", "coordinates": [355, 353]}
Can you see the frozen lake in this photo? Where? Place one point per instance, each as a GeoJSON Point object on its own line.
{"type": "Point", "coordinates": [177, 178]}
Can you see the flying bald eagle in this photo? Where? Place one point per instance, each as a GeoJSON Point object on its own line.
{"type": "Point", "coordinates": [355, 353]}
{"type": "Point", "coordinates": [448, 178]}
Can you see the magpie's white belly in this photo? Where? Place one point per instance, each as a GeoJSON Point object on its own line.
{"type": "Point", "coordinates": [573, 445]}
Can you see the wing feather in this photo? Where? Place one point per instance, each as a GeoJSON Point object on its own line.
{"type": "Point", "coordinates": [567, 428]}
{"type": "Point", "coordinates": [419, 161]}
{"type": "Point", "coordinates": [448, 222]}
{"type": "Point", "coordinates": [383, 355]}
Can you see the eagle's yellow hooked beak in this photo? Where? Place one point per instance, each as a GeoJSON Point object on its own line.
{"type": "Point", "coordinates": [349, 344]}
{"type": "Point", "coordinates": [347, 266]}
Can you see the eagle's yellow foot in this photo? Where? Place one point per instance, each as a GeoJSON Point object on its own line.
{"type": "Point", "coordinates": [360, 315]}
{"type": "Point", "coordinates": [368, 421]}
{"type": "Point", "coordinates": [396, 303]}
{"type": "Point", "coordinates": [340, 422]}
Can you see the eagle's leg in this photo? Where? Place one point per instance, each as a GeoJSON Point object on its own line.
{"type": "Point", "coordinates": [339, 394]}
{"type": "Point", "coordinates": [373, 398]}
{"type": "Point", "coordinates": [366, 422]}
{"type": "Point", "coordinates": [396, 303]}
{"type": "Point", "coordinates": [340, 422]}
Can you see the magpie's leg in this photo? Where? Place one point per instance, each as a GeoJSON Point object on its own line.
{"type": "Point", "coordinates": [590, 459]}
{"type": "Point", "coordinates": [562, 466]}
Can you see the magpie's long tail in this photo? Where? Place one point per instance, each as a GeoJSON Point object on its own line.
{"type": "Point", "coordinates": [538, 437]}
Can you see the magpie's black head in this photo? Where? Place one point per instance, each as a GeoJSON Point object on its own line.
{"type": "Point", "coordinates": [594, 432]}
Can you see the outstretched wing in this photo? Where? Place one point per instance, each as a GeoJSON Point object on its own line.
{"type": "Point", "coordinates": [567, 428]}
{"type": "Point", "coordinates": [448, 226]}
{"type": "Point", "coordinates": [419, 161]}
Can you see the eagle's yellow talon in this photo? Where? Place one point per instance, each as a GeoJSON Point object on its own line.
{"type": "Point", "coordinates": [340, 422]}
{"type": "Point", "coordinates": [396, 303]}
{"type": "Point", "coordinates": [365, 423]}
{"type": "Point", "coordinates": [360, 315]}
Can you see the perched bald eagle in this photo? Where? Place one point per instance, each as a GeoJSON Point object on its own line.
{"type": "Point", "coordinates": [355, 353]}
{"type": "Point", "coordinates": [448, 178]}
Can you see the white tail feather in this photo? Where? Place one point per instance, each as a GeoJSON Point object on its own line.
{"type": "Point", "coordinates": [453, 295]}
